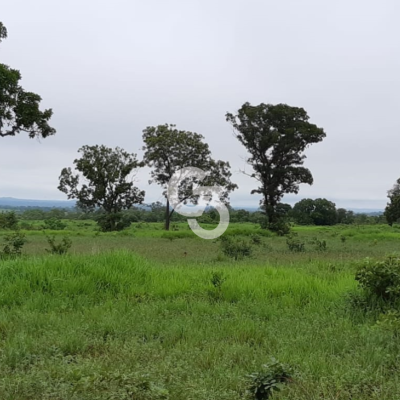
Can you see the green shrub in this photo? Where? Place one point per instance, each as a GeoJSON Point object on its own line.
{"type": "Point", "coordinates": [54, 224]}
{"type": "Point", "coordinates": [320, 245]}
{"type": "Point", "coordinates": [58, 248]}
{"type": "Point", "coordinates": [272, 378]}
{"type": "Point", "coordinates": [236, 248]}
{"type": "Point", "coordinates": [8, 220]}
{"type": "Point", "coordinates": [281, 228]}
{"type": "Point", "coordinates": [14, 243]}
{"type": "Point", "coordinates": [113, 222]}
{"type": "Point", "coordinates": [380, 279]}
{"type": "Point", "coordinates": [217, 279]}
{"type": "Point", "coordinates": [294, 243]}
{"type": "Point", "coordinates": [255, 239]}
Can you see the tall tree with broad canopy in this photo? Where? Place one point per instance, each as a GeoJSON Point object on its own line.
{"type": "Point", "coordinates": [392, 210]}
{"type": "Point", "coordinates": [315, 212]}
{"type": "Point", "coordinates": [167, 150]}
{"type": "Point", "coordinates": [276, 137]}
{"type": "Point", "coordinates": [107, 184]}
{"type": "Point", "coordinates": [19, 110]}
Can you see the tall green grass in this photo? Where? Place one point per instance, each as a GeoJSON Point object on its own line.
{"type": "Point", "coordinates": [119, 326]}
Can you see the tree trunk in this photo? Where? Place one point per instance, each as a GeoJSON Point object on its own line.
{"type": "Point", "coordinates": [167, 216]}
{"type": "Point", "coordinates": [112, 223]}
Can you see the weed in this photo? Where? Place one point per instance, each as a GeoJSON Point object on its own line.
{"type": "Point", "coordinates": [58, 248]}
{"type": "Point", "coordinates": [272, 378]}
{"type": "Point", "coordinates": [294, 243]}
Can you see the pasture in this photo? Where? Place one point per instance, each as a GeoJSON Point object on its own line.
{"type": "Point", "coordinates": [143, 314]}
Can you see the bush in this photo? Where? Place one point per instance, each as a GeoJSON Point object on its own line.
{"type": "Point", "coordinates": [272, 378]}
{"type": "Point", "coordinates": [8, 220]}
{"type": "Point", "coordinates": [113, 222]}
{"type": "Point", "coordinates": [294, 243]}
{"type": "Point", "coordinates": [320, 245]}
{"type": "Point", "coordinates": [60, 248]}
{"type": "Point", "coordinates": [54, 224]}
{"type": "Point", "coordinates": [14, 243]}
{"type": "Point", "coordinates": [380, 279]}
{"type": "Point", "coordinates": [255, 239]}
{"type": "Point", "coordinates": [281, 228]}
{"type": "Point", "coordinates": [236, 248]}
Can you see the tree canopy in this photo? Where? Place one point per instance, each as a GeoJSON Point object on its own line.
{"type": "Point", "coordinates": [276, 137]}
{"type": "Point", "coordinates": [19, 109]}
{"type": "Point", "coordinates": [107, 183]}
{"type": "Point", "coordinates": [167, 150]}
{"type": "Point", "coordinates": [315, 212]}
{"type": "Point", "coordinates": [392, 210]}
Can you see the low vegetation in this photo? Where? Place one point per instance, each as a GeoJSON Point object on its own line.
{"type": "Point", "coordinates": [132, 315]}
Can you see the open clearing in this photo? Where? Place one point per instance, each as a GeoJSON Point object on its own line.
{"type": "Point", "coordinates": [135, 315]}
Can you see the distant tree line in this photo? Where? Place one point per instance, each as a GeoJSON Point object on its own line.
{"type": "Point", "coordinates": [302, 213]}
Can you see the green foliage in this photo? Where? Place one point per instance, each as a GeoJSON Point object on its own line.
{"type": "Point", "coordinates": [280, 227]}
{"type": "Point", "coordinates": [270, 379]}
{"type": "Point", "coordinates": [58, 248]}
{"type": "Point", "coordinates": [3, 32]}
{"type": "Point", "coordinates": [255, 239]}
{"type": "Point", "coordinates": [54, 224]}
{"type": "Point", "coordinates": [13, 244]}
{"type": "Point", "coordinates": [380, 279]}
{"type": "Point", "coordinates": [294, 243]}
{"type": "Point", "coordinates": [320, 245]}
{"type": "Point", "coordinates": [276, 137]}
{"type": "Point", "coordinates": [108, 185]}
{"type": "Point", "coordinates": [113, 222]}
{"type": "Point", "coordinates": [345, 216]}
{"type": "Point", "coordinates": [8, 220]}
{"type": "Point", "coordinates": [236, 248]}
{"type": "Point", "coordinates": [315, 212]}
{"type": "Point", "coordinates": [392, 211]}
{"type": "Point", "coordinates": [217, 279]}
{"type": "Point", "coordinates": [19, 110]}
{"type": "Point", "coordinates": [167, 150]}
{"type": "Point", "coordinates": [389, 322]}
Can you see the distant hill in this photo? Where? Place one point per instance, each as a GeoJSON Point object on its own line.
{"type": "Point", "coordinates": [12, 202]}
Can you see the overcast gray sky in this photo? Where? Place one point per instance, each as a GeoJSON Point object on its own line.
{"type": "Point", "coordinates": [110, 68]}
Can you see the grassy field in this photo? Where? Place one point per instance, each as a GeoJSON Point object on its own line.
{"type": "Point", "coordinates": [137, 315]}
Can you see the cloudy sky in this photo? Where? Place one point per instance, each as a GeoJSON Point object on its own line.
{"type": "Point", "coordinates": [108, 69]}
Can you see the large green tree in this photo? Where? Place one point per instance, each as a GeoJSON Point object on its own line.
{"type": "Point", "coordinates": [167, 150]}
{"type": "Point", "coordinates": [107, 176]}
{"type": "Point", "coordinates": [19, 109]}
{"type": "Point", "coordinates": [276, 137]}
{"type": "Point", "coordinates": [392, 211]}
{"type": "Point", "coordinates": [315, 212]}
{"type": "Point", "coordinates": [345, 216]}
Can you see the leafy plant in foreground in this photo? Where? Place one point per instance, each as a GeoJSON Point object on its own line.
{"type": "Point", "coordinates": [380, 279]}
{"type": "Point", "coordinates": [271, 378]}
